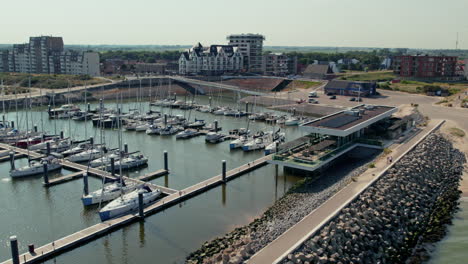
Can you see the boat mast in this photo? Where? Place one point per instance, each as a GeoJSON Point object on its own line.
{"type": "Point", "coordinates": [139, 97]}
{"type": "Point", "coordinates": [150, 88]}
{"type": "Point", "coordinates": [3, 100]}
{"type": "Point", "coordinates": [16, 108]}
{"type": "Point", "coordinates": [40, 104]}
{"type": "Point", "coordinates": [68, 113]}
{"type": "Point", "coordinates": [119, 134]}
{"type": "Point", "coordinates": [86, 111]}
{"type": "Point", "coordinates": [27, 125]}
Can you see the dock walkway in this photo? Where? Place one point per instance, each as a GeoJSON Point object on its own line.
{"type": "Point", "coordinates": [79, 238]}
{"type": "Point", "coordinates": [80, 168]}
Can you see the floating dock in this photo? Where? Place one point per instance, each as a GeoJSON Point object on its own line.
{"type": "Point", "coordinates": [93, 232]}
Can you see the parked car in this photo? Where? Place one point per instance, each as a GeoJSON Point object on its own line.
{"type": "Point", "coordinates": [313, 101]}
{"type": "Point", "coordinates": [330, 93]}
{"type": "Point", "coordinates": [352, 99]}
{"type": "Point", "coordinates": [333, 97]}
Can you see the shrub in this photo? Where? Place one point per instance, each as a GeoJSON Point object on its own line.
{"type": "Point", "coordinates": [457, 132]}
{"type": "Point", "coordinates": [387, 151]}
{"type": "Point", "coordinates": [371, 165]}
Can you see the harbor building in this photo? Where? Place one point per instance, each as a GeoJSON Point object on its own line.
{"type": "Point", "coordinates": [46, 54]}
{"type": "Point", "coordinates": [212, 60]}
{"type": "Point", "coordinates": [425, 66]}
{"type": "Point", "coordinates": [351, 88]}
{"type": "Point", "coordinates": [251, 48]}
{"type": "Point", "coordinates": [334, 135]}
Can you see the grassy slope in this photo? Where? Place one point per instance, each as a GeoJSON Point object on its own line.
{"type": "Point", "coordinates": [409, 86]}
{"type": "Point", "coordinates": [51, 81]}
{"type": "Point", "coordinates": [302, 85]}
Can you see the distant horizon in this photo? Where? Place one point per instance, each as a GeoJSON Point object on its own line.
{"type": "Point", "coordinates": [265, 46]}
{"type": "Point", "coordinates": [415, 24]}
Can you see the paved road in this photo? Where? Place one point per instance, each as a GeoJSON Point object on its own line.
{"type": "Point", "coordinates": [298, 233]}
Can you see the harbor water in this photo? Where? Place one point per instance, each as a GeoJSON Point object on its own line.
{"type": "Point", "coordinates": [39, 215]}
{"type": "Point", "coordinates": [453, 248]}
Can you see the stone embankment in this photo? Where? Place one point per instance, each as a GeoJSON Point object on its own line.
{"type": "Point", "coordinates": [243, 242]}
{"type": "Point", "coordinates": [386, 222]}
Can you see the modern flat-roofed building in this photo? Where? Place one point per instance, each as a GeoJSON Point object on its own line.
{"type": "Point", "coordinates": [425, 66]}
{"type": "Point", "coordinates": [46, 54]}
{"type": "Point", "coordinates": [351, 88]}
{"type": "Point", "coordinates": [251, 48]}
{"type": "Point", "coordinates": [332, 136]}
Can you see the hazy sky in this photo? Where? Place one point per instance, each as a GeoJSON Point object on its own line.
{"type": "Point", "coordinates": [364, 23]}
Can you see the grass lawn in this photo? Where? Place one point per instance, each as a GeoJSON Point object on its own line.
{"type": "Point", "coordinates": [457, 132]}
{"type": "Point", "coordinates": [50, 81]}
{"type": "Point", "coordinates": [302, 84]}
{"type": "Point", "coordinates": [379, 76]}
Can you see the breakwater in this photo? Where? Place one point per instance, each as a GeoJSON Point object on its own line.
{"type": "Point", "coordinates": [386, 222]}
{"type": "Point", "coordinates": [243, 242]}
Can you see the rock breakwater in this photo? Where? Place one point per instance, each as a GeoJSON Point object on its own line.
{"type": "Point", "coordinates": [240, 244]}
{"type": "Point", "coordinates": [386, 222]}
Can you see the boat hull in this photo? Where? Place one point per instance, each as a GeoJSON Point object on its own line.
{"type": "Point", "coordinates": [147, 199]}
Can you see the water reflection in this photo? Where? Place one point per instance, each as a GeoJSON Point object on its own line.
{"type": "Point", "coordinates": [223, 194]}
{"type": "Point", "coordinates": [141, 233]}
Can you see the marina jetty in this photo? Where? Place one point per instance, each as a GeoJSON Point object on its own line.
{"type": "Point", "coordinates": [365, 215]}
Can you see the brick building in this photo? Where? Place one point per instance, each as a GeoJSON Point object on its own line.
{"type": "Point", "coordinates": [425, 67]}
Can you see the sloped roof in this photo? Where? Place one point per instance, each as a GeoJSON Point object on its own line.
{"type": "Point", "coordinates": [342, 84]}
{"type": "Point", "coordinates": [317, 69]}
{"type": "Point", "coordinates": [337, 84]}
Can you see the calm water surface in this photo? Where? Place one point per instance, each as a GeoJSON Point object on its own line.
{"type": "Point", "coordinates": [453, 248]}
{"type": "Point", "coordinates": [40, 215]}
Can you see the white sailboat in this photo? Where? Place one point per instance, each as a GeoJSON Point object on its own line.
{"type": "Point", "coordinates": [292, 121]}
{"type": "Point", "coordinates": [105, 160]}
{"type": "Point", "coordinates": [36, 167]}
{"type": "Point", "coordinates": [87, 155]}
{"type": "Point", "coordinates": [128, 202]}
{"type": "Point", "coordinates": [132, 161]}
{"type": "Point", "coordinates": [238, 143]}
{"type": "Point", "coordinates": [187, 133]}
{"type": "Point", "coordinates": [108, 193]}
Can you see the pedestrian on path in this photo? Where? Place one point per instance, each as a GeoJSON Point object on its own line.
{"type": "Point", "coordinates": [390, 159]}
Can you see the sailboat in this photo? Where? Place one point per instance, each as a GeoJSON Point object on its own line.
{"type": "Point", "coordinates": [36, 167]}
{"type": "Point", "coordinates": [87, 155]}
{"type": "Point", "coordinates": [108, 193]}
{"type": "Point", "coordinates": [128, 202]}
{"type": "Point", "coordinates": [131, 161]}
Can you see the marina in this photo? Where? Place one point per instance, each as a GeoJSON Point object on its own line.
{"type": "Point", "coordinates": [151, 173]}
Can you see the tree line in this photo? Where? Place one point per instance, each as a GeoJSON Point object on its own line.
{"type": "Point", "coordinates": [370, 60]}
{"type": "Point", "coordinates": [141, 56]}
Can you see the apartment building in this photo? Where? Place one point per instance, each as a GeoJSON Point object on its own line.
{"type": "Point", "coordinates": [278, 64]}
{"type": "Point", "coordinates": [46, 54]}
{"type": "Point", "coordinates": [212, 60]}
{"type": "Point", "coordinates": [425, 67]}
{"type": "Point", "coordinates": [251, 48]}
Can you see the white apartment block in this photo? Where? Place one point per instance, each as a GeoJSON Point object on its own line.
{"type": "Point", "coordinates": [251, 47]}
{"type": "Point", "coordinates": [46, 54]}
{"type": "Point", "coordinates": [76, 63]}
{"type": "Point", "coordinates": [212, 60]}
